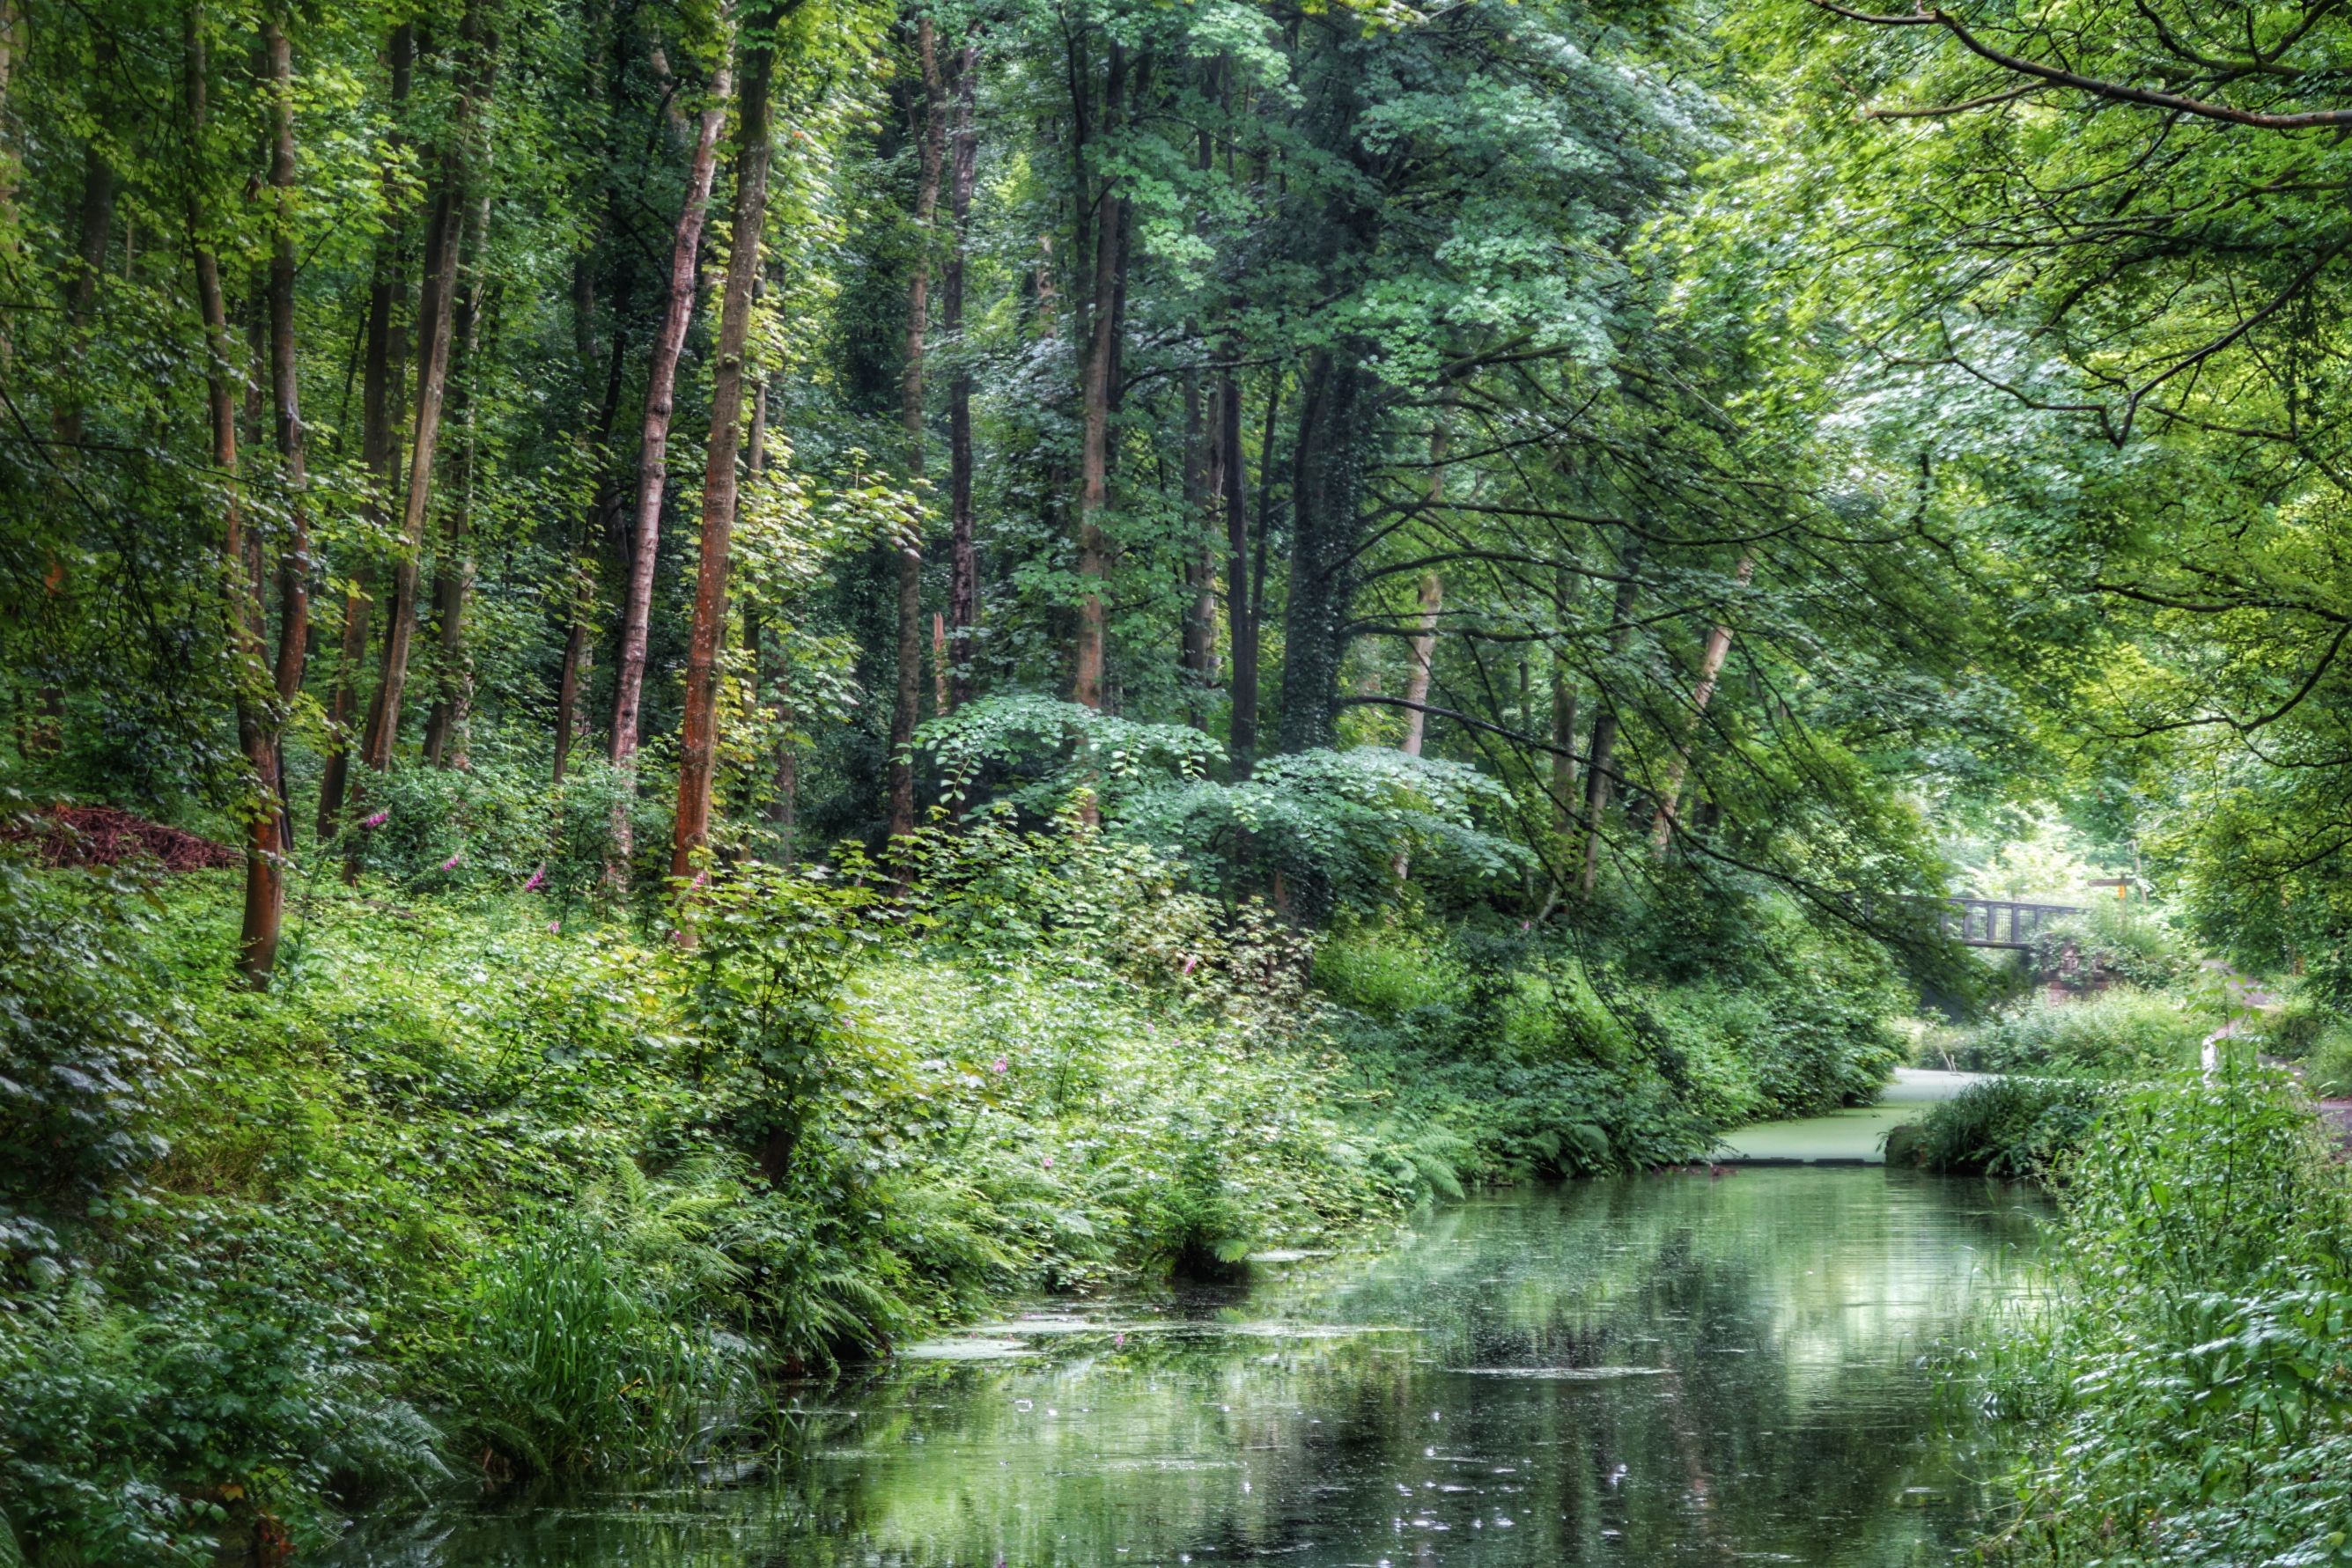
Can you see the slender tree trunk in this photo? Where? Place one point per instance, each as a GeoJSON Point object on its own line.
{"type": "Point", "coordinates": [382, 397]}
{"type": "Point", "coordinates": [294, 567]}
{"type": "Point", "coordinates": [963, 560]}
{"type": "Point", "coordinates": [1327, 466]}
{"type": "Point", "coordinates": [604, 60]}
{"type": "Point", "coordinates": [1423, 646]}
{"type": "Point", "coordinates": [1563, 741]}
{"type": "Point", "coordinates": [698, 742]}
{"type": "Point", "coordinates": [265, 876]}
{"type": "Point", "coordinates": [580, 641]}
{"type": "Point", "coordinates": [1108, 211]}
{"type": "Point", "coordinates": [435, 305]}
{"type": "Point", "coordinates": [1600, 760]}
{"type": "Point", "coordinates": [1243, 585]}
{"type": "Point", "coordinates": [1197, 651]}
{"type": "Point", "coordinates": [452, 572]}
{"type": "Point", "coordinates": [94, 224]}
{"type": "Point", "coordinates": [569, 695]}
{"type": "Point", "coordinates": [1710, 667]}
{"type": "Point", "coordinates": [900, 772]}
{"type": "Point", "coordinates": [653, 450]}
{"type": "Point", "coordinates": [1424, 652]}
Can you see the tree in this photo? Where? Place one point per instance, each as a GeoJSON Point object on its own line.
{"type": "Point", "coordinates": [698, 743]}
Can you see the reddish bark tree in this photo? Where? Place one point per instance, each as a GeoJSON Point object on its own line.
{"type": "Point", "coordinates": [653, 447]}
{"type": "Point", "coordinates": [698, 740]}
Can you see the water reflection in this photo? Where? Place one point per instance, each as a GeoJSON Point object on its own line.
{"type": "Point", "coordinates": [1657, 1370]}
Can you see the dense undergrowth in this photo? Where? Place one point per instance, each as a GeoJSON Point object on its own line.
{"type": "Point", "coordinates": [2187, 1389]}
{"type": "Point", "coordinates": [483, 1188]}
{"type": "Point", "coordinates": [2192, 1391]}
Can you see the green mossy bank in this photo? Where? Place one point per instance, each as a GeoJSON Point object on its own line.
{"type": "Point", "coordinates": [473, 1194]}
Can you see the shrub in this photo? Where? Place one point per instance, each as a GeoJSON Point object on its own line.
{"type": "Point", "coordinates": [85, 1043]}
{"type": "Point", "coordinates": [2127, 941]}
{"type": "Point", "coordinates": [2328, 1067]}
{"type": "Point", "coordinates": [2008, 1128]}
{"type": "Point", "coordinates": [2122, 1032]}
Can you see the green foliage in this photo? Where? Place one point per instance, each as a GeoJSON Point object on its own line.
{"type": "Point", "coordinates": [87, 1040]}
{"type": "Point", "coordinates": [496, 826]}
{"type": "Point", "coordinates": [2117, 941]}
{"type": "Point", "coordinates": [2027, 1128]}
{"type": "Point", "coordinates": [2115, 1033]}
{"type": "Point", "coordinates": [2201, 1403]}
{"type": "Point", "coordinates": [1336, 822]}
{"type": "Point", "coordinates": [2328, 1067]}
{"type": "Point", "coordinates": [574, 1360]}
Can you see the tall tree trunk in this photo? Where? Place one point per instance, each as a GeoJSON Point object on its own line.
{"type": "Point", "coordinates": [963, 559]}
{"type": "Point", "coordinates": [698, 741]}
{"type": "Point", "coordinates": [453, 571]}
{"type": "Point", "coordinates": [653, 448]}
{"type": "Point", "coordinates": [1600, 760]}
{"type": "Point", "coordinates": [604, 63]}
{"type": "Point", "coordinates": [94, 224]}
{"type": "Point", "coordinates": [1108, 212]}
{"type": "Point", "coordinates": [1563, 741]}
{"type": "Point", "coordinates": [1424, 652]}
{"type": "Point", "coordinates": [1242, 585]}
{"type": "Point", "coordinates": [580, 640]}
{"type": "Point", "coordinates": [899, 771]}
{"type": "Point", "coordinates": [1197, 652]}
{"type": "Point", "coordinates": [1432, 602]}
{"type": "Point", "coordinates": [569, 693]}
{"type": "Point", "coordinates": [1710, 667]}
{"type": "Point", "coordinates": [382, 398]}
{"type": "Point", "coordinates": [265, 877]}
{"type": "Point", "coordinates": [295, 565]}
{"type": "Point", "coordinates": [1327, 467]}
{"type": "Point", "coordinates": [435, 305]}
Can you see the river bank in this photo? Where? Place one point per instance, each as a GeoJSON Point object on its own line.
{"type": "Point", "coordinates": [1648, 1368]}
{"type": "Point", "coordinates": [812, 1138]}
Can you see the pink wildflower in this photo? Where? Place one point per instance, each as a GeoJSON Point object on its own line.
{"type": "Point", "coordinates": [377, 821]}
{"type": "Point", "coordinates": [999, 1065]}
{"type": "Point", "coordinates": [536, 878]}
{"type": "Point", "coordinates": [556, 928]}
{"type": "Point", "coordinates": [451, 863]}
{"type": "Point", "coordinates": [1189, 959]}
{"type": "Point", "coordinates": [1048, 1162]}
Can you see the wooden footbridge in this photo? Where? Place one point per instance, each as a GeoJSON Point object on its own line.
{"type": "Point", "coordinates": [2002, 922]}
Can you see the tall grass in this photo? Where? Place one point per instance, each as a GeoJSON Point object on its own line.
{"type": "Point", "coordinates": [565, 1367]}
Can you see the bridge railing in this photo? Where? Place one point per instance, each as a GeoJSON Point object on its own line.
{"type": "Point", "coordinates": [2002, 922]}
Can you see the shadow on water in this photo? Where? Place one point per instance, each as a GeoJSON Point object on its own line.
{"type": "Point", "coordinates": [1652, 1370]}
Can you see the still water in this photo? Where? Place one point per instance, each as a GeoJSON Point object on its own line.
{"type": "Point", "coordinates": [1657, 1370]}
